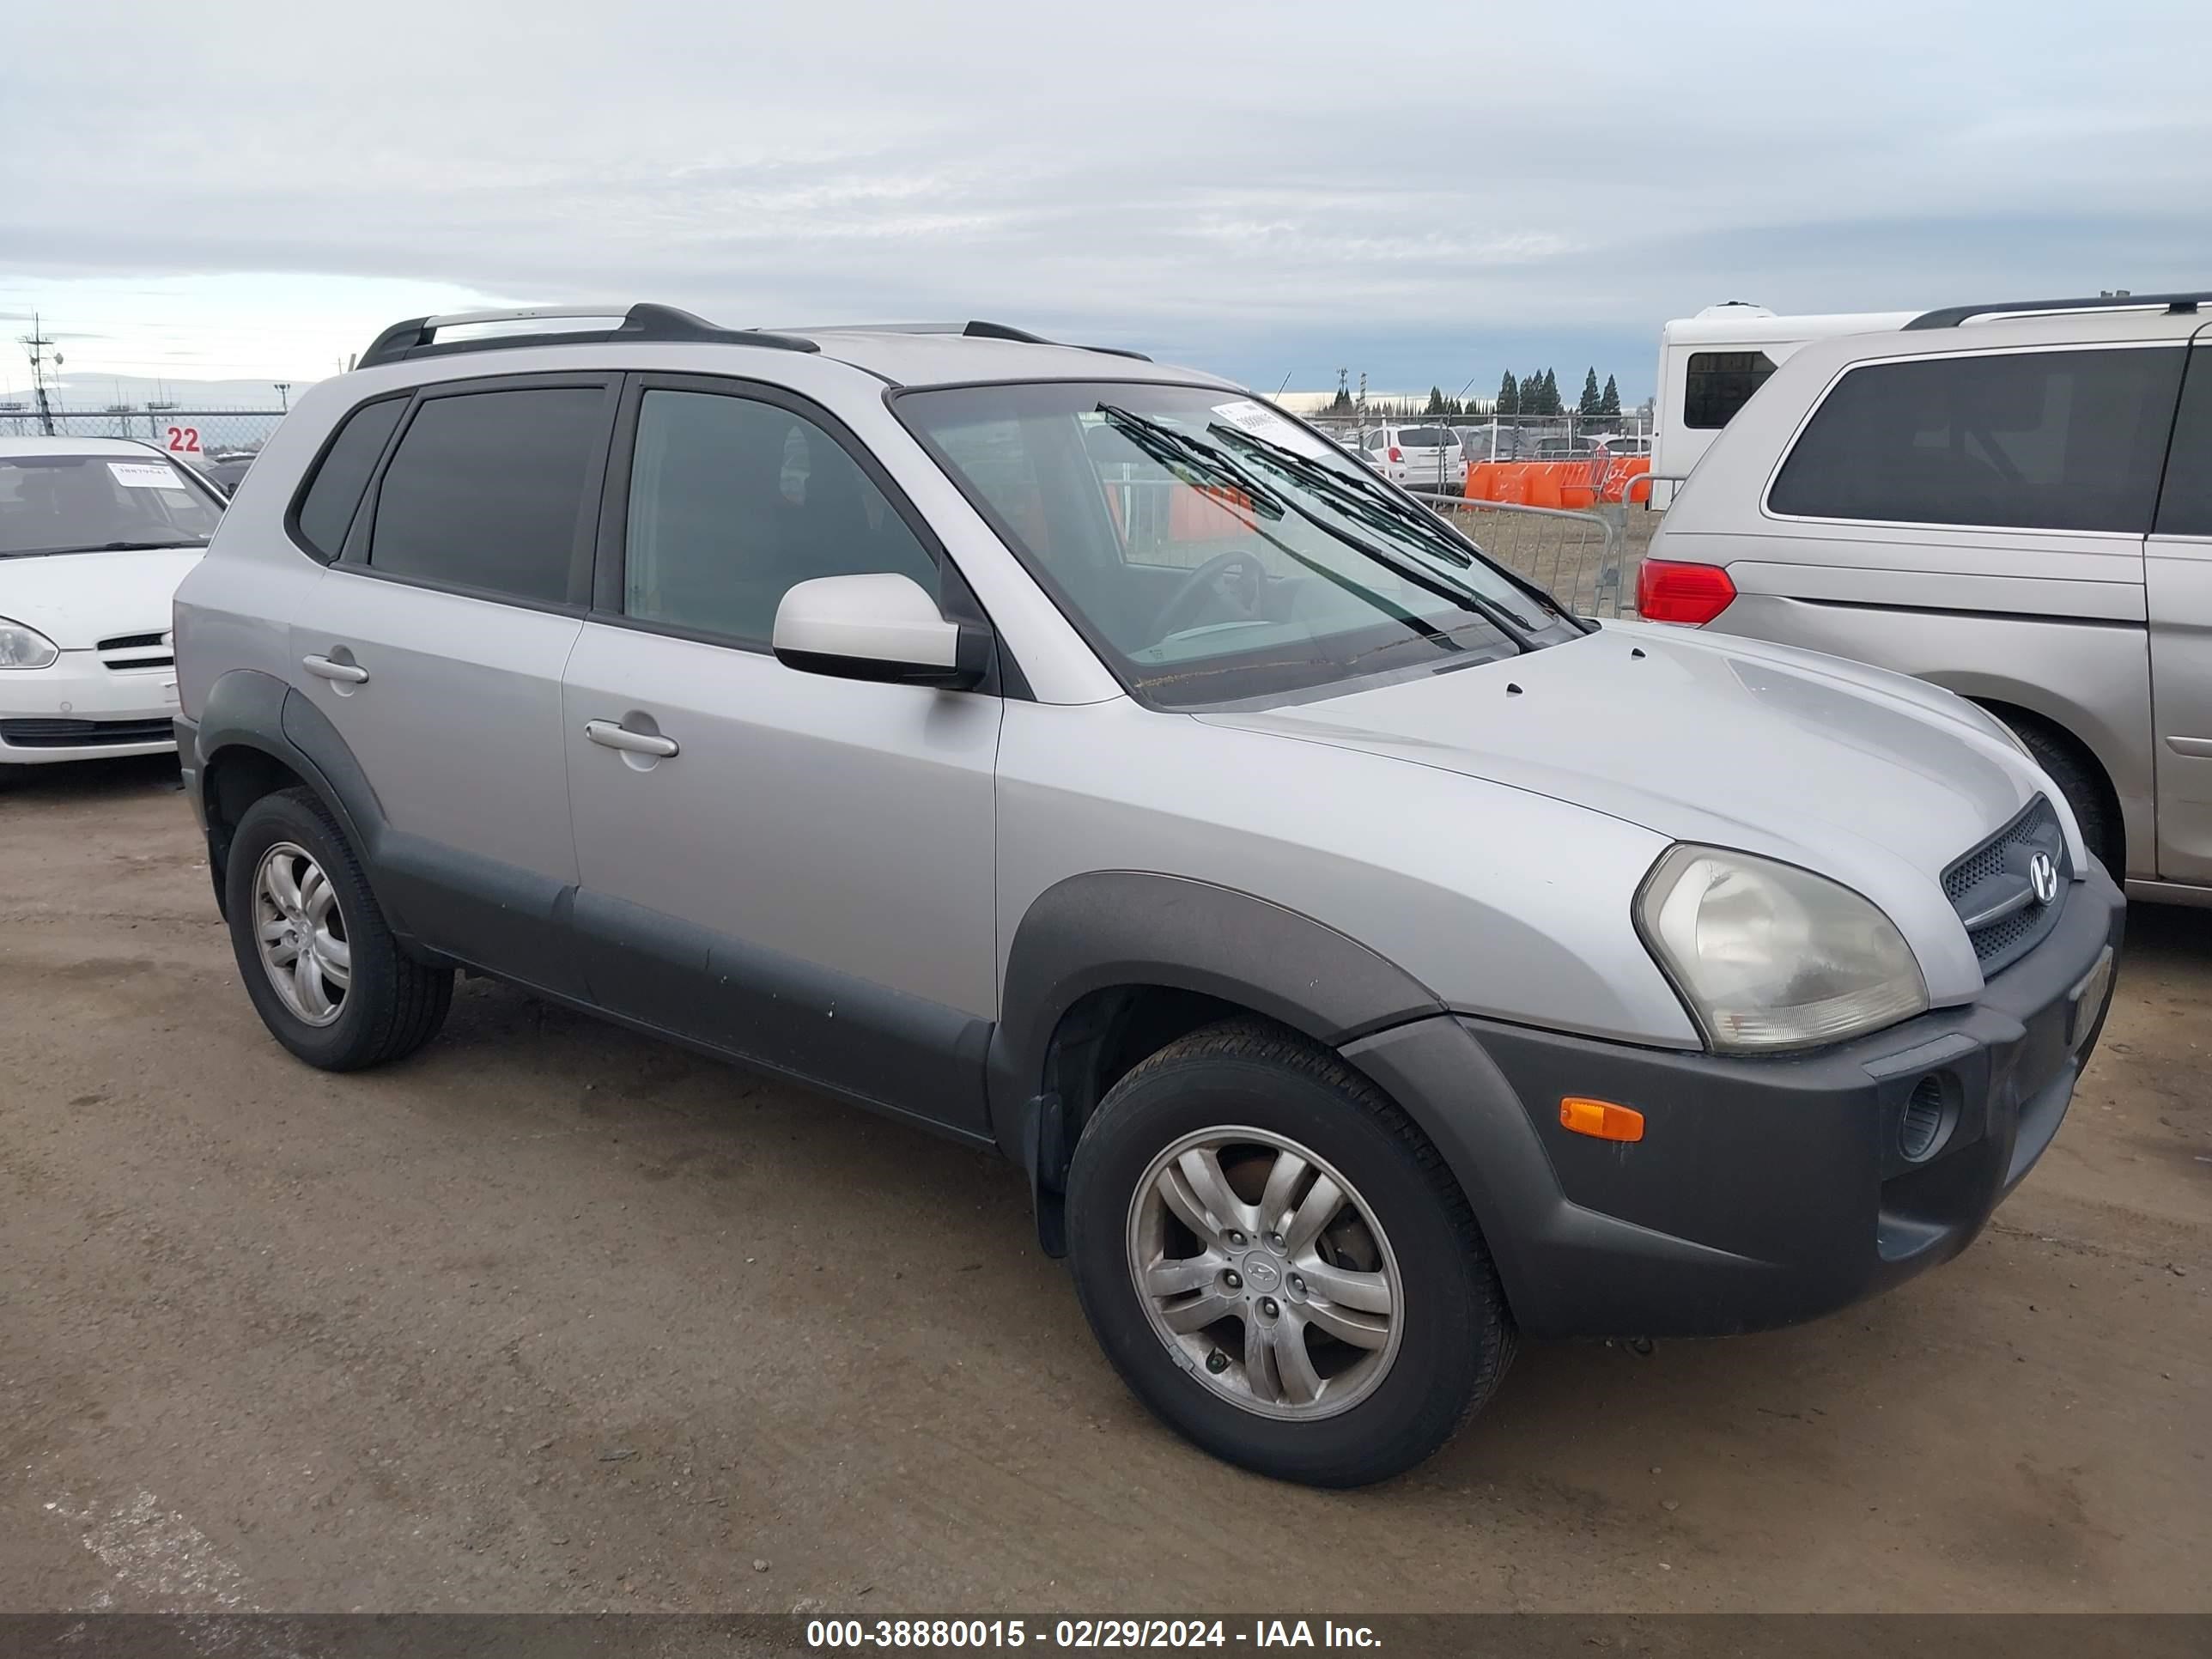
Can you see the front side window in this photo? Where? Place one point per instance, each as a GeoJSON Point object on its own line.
{"type": "Point", "coordinates": [1716, 384]}
{"type": "Point", "coordinates": [2032, 441]}
{"type": "Point", "coordinates": [732, 501]}
{"type": "Point", "coordinates": [1212, 549]}
{"type": "Point", "coordinates": [52, 504]}
{"type": "Point", "coordinates": [486, 491]}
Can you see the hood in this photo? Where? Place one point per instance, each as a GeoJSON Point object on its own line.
{"type": "Point", "coordinates": [1868, 777]}
{"type": "Point", "coordinates": [78, 600]}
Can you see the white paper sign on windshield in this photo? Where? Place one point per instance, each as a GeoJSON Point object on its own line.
{"type": "Point", "coordinates": [1263, 423]}
{"type": "Point", "coordinates": [145, 475]}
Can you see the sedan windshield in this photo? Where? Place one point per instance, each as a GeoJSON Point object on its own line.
{"type": "Point", "coordinates": [1213, 550]}
{"type": "Point", "coordinates": [94, 503]}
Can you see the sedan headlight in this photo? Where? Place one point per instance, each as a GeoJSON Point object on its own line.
{"type": "Point", "coordinates": [1769, 957]}
{"type": "Point", "coordinates": [25, 647]}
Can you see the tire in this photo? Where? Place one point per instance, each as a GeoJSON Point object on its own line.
{"type": "Point", "coordinates": [389, 1004]}
{"type": "Point", "coordinates": [1383, 1405]}
{"type": "Point", "coordinates": [2079, 780]}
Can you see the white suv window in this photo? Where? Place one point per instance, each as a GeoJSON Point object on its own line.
{"type": "Point", "coordinates": [2035, 440]}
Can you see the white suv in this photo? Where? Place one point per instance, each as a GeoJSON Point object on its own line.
{"type": "Point", "coordinates": [1365, 959]}
{"type": "Point", "coordinates": [1424, 458]}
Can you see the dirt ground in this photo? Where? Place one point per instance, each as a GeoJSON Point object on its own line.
{"type": "Point", "coordinates": [551, 1317]}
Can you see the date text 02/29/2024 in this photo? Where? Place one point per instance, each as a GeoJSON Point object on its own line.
{"type": "Point", "coordinates": [829, 1635]}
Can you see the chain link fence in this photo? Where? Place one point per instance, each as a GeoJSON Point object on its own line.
{"type": "Point", "coordinates": [1507, 438]}
{"type": "Point", "coordinates": [197, 436]}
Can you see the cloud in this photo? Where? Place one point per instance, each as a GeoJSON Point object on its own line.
{"type": "Point", "coordinates": [1269, 184]}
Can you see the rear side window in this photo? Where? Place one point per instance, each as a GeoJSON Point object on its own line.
{"type": "Point", "coordinates": [486, 490]}
{"type": "Point", "coordinates": [326, 509]}
{"type": "Point", "coordinates": [2185, 509]}
{"type": "Point", "coordinates": [2032, 441]}
{"type": "Point", "coordinates": [1716, 384]}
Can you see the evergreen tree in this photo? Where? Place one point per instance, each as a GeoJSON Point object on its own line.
{"type": "Point", "coordinates": [1609, 403]}
{"type": "Point", "coordinates": [1509, 396]}
{"type": "Point", "coordinates": [1587, 404]}
{"type": "Point", "coordinates": [1436, 402]}
{"type": "Point", "coordinates": [1552, 404]}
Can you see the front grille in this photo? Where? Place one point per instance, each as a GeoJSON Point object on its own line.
{"type": "Point", "coordinates": [82, 734]}
{"type": "Point", "coordinates": [129, 651]}
{"type": "Point", "coordinates": [1994, 892]}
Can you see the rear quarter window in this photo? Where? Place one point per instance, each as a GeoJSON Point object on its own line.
{"type": "Point", "coordinates": [2186, 508]}
{"type": "Point", "coordinates": [2070, 440]}
{"type": "Point", "coordinates": [333, 494]}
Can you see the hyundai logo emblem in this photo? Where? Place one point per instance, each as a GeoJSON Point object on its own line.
{"type": "Point", "coordinates": [2043, 876]}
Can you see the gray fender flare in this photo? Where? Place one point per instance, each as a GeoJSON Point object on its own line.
{"type": "Point", "coordinates": [248, 710]}
{"type": "Point", "coordinates": [1114, 928]}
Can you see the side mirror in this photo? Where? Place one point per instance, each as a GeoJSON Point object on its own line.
{"type": "Point", "coordinates": [879, 627]}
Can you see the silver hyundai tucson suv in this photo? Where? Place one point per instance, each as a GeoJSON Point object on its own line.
{"type": "Point", "coordinates": [1366, 961]}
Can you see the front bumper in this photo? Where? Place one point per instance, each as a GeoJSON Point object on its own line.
{"type": "Point", "coordinates": [81, 710]}
{"type": "Point", "coordinates": [1763, 1191]}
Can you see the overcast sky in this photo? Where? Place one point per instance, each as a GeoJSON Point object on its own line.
{"type": "Point", "coordinates": [1429, 192]}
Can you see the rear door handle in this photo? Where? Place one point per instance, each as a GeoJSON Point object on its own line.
{"type": "Point", "coordinates": [346, 673]}
{"type": "Point", "coordinates": [609, 734]}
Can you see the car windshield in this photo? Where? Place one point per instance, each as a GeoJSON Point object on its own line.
{"type": "Point", "coordinates": [1424, 437]}
{"type": "Point", "coordinates": [93, 503]}
{"type": "Point", "coordinates": [1213, 550]}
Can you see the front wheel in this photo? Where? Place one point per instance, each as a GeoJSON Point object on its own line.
{"type": "Point", "coordinates": [1277, 1263]}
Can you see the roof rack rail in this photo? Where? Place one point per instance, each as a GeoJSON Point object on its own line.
{"type": "Point", "coordinates": [1952, 316]}
{"type": "Point", "coordinates": [976, 330]}
{"type": "Point", "coordinates": [417, 335]}
{"type": "Point", "coordinates": [981, 331]}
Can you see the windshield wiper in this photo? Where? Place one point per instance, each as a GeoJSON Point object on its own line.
{"type": "Point", "coordinates": [1514, 627]}
{"type": "Point", "coordinates": [1176, 450]}
{"type": "Point", "coordinates": [107, 547]}
{"type": "Point", "coordinates": [1379, 510]}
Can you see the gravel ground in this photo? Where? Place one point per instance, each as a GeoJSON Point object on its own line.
{"type": "Point", "coordinates": [551, 1317]}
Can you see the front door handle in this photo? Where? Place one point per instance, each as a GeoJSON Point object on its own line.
{"type": "Point", "coordinates": [346, 673]}
{"type": "Point", "coordinates": [609, 734]}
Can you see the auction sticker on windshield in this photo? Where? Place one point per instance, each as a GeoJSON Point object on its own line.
{"type": "Point", "coordinates": [145, 475]}
{"type": "Point", "coordinates": [1263, 423]}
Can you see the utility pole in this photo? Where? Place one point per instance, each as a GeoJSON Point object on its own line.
{"type": "Point", "coordinates": [283, 387]}
{"type": "Point", "coordinates": [35, 343]}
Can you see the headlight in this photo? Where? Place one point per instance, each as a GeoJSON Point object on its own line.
{"type": "Point", "coordinates": [1769, 957]}
{"type": "Point", "coordinates": [25, 647]}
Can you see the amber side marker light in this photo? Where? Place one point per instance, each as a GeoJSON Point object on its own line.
{"type": "Point", "coordinates": [1602, 1119]}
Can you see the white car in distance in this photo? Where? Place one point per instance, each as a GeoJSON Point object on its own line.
{"type": "Point", "coordinates": [95, 533]}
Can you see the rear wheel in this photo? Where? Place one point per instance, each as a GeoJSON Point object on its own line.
{"type": "Point", "coordinates": [323, 970]}
{"type": "Point", "coordinates": [1278, 1263]}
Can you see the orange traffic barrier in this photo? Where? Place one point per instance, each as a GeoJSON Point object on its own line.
{"type": "Point", "coordinates": [1482, 480]}
{"type": "Point", "coordinates": [1512, 485]}
{"type": "Point", "coordinates": [1543, 485]}
{"type": "Point", "coordinates": [1208, 516]}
